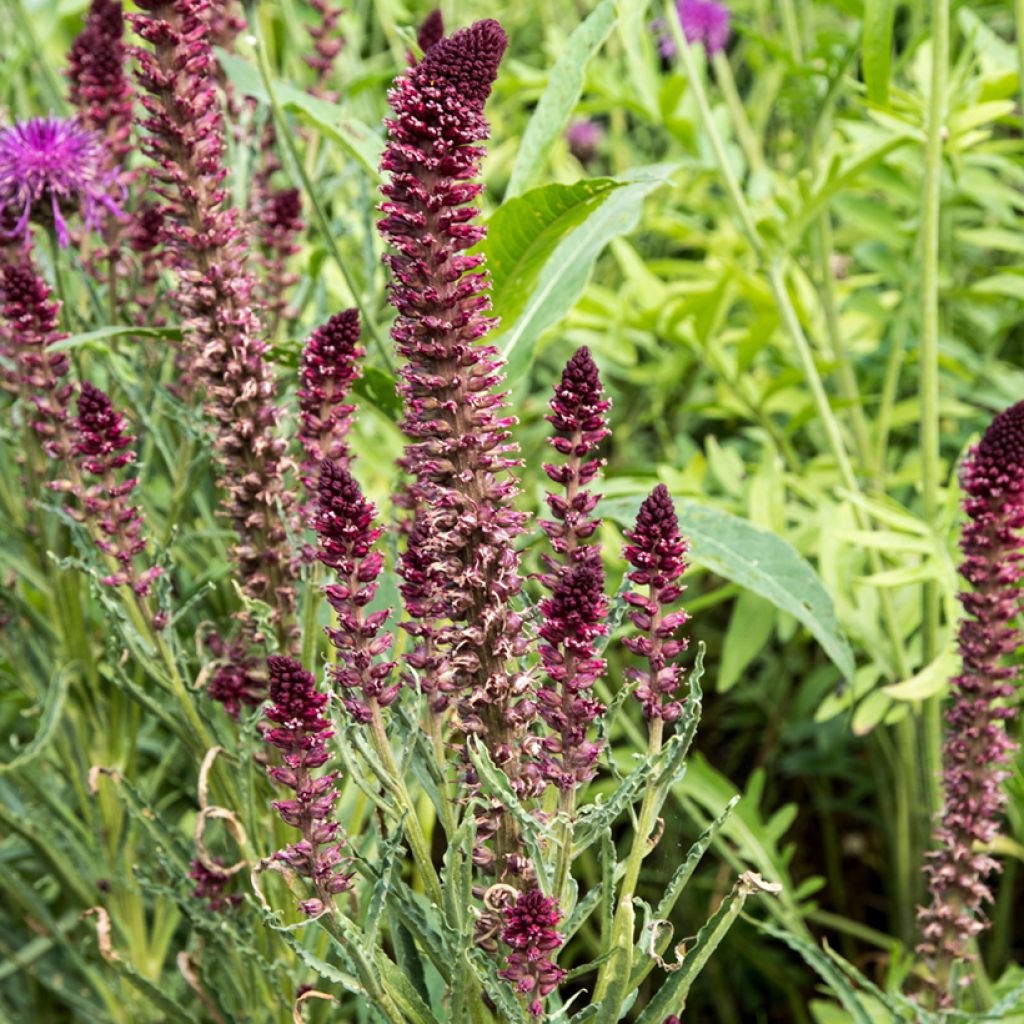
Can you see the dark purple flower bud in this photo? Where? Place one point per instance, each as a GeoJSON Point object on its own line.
{"type": "Point", "coordinates": [210, 886]}
{"type": "Point", "coordinates": [99, 86]}
{"type": "Point", "coordinates": [531, 930]}
{"type": "Point", "coordinates": [48, 167]}
{"type": "Point", "coordinates": [344, 524]}
{"type": "Point", "coordinates": [331, 363]}
{"type": "Point", "coordinates": [657, 553]}
{"type": "Point", "coordinates": [431, 31]}
{"type": "Point", "coordinates": [102, 448]}
{"type": "Point", "coordinates": [280, 226]}
{"type": "Point", "coordinates": [301, 732]}
{"type": "Point", "coordinates": [977, 746]}
{"type": "Point", "coordinates": [35, 375]}
{"type": "Point", "coordinates": [184, 138]}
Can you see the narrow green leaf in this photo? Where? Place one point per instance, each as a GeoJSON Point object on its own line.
{"type": "Point", "coordinates": [565, 84]}
{"type": "Point", "coordinates": [91, 339]}
{"type": "Point", "coordinates": [763, 563]}
{"type": "Point", "coordinates": [877, 55]}
{"type": "Point", "coordinates": [53, 708]}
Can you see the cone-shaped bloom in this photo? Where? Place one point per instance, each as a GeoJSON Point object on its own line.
{"type": "Point", "coordinates": [102, 447]}
{"type": "Point", "coordinates": [331, 363]}
{"type": "Point", "coordinates": [50, 166]}
{"type": "Point", "coordinates": [977, 747]}
{"type": "Point", "coordinates": [100, 89]}
{"type": "Point", "coordinates": [184, 137]}
{"type": "Point", "coordinates": [459, 448]}
{"type": "Point", "coordinates": [33, 373]}
{"type": "Point", "coordinates": [657, 553]}
{"type": "Point", "coordinates": [301, 732]}
{"type": "Point", "coordinates": [431, 31]}
{"type": "Point", "coordinates": [347, 535]}
{"type": "Point", "coordinates": [531, 930]}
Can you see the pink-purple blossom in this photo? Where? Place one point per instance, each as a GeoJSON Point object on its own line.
{"type": "Point", "coordinates": [584, 136]}
{"type": "Point", "coordinates": [531, 932]}
{"type": "Point", "coordinates": [977, 748]}
{"type": "Point", "coordinates": [50, 167]}
{"type": "Point", "coordinates": [707, 22]}
{"type": "Point", "coordinates": [657, 554]}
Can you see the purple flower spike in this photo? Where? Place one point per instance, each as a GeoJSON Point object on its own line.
{"type": "Point", "coordinates": [977, 746]}
{"type": "Point", "coordinates": [327, 44]}
{"type": "Point", "coordinates": [301, 732]}
{"type": "Point", "coordinates": [657, 553]}
{"type": "Point", "coordinates": [50, 166]}
{"type": "Point", "coordinates": [431, 31]}
{"type": "Point", "coordinates": [347, 537]}
{"type": "Point", "coordinates": [28, 328]}
{"type": "Point", "coordinates": [531, 930]}
{"type": "Point", "coordinates": [103, 447]}
{"type": "Point", "coordinates": [280, 225]}
{"type": "Point", "coordinates": [330, 365]}
{"type": "Point", "coordinates": [99, 86]}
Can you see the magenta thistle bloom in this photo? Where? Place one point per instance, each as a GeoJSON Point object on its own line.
{"type": "Point", "coordinates": [703, 21]}
{"type": "Point", "coordinates": [531, 930]}
{"type": "Point", "coordinates": [977, 746]}
{"type": "Point", "coordinates": [103, 448]}
{"type": "Point", "coordinates": [459, 450]}
{"type": "Point", "coordinates": [35, 374]}
{"type": "Point", "coordinates": [347, 536]}
{"type": "Point", "coordinates": [657, 553]}
{"type": "Point", "coordinates": [301, 732]}
{"type": "Point", "coordinates": [331, 363]}
{"type": "Point", "coordinates": [431, 31]}
{"type": "Point", "coordinates": [584, 136]}
{"type": "Point", "coordinates": [99, 86]}
{"type": "Point", "coordinates": [222, 332]}
{"type": "Point", "coordinates": [50, 166]}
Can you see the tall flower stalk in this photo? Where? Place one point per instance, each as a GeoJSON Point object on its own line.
{"type": "Point", "coordinates": [977, 747]}
{"type": "Point", "coordinates": [184, 137]}
{"type": "Point", "coordinates": [459, 449]}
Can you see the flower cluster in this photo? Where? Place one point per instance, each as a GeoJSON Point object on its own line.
{"type": "Point", "coordinates": [301, 732]}
{"type": "Point", "coordinates": [977, 746]}
{"type": "Point", "coordinates": [222, 333]}
{"type": "Point", "coordinates": [327, 44]}
{"type": "Point", "coordinates": [531, 931]}
{"type": "Point", "coordinates": [706, 22]}
{"type": "Point", "coordinates": [331, 363]}
{"type": "Point", "coordinates": [49, 166]}
{"type": "Point", "coordinates": [102, 448]}
{"type": "Point", "coordinates": [210, 886]}
{"type": "Point", "coordinates": [280, 225]}
{"type": "Point", "coordinates": [344, 524]}
{"type": "Point", "coordinates": [237, 679]}
{"type": "Point", "coordinates": [459, 450]}
{"type": "Point", "coordinates": [431, 31]}
{"type": "Point", "coordinates": [584, 136]}
{"type": "Point", "coordinates": [33, 373]}
{"type": "Point", "coordinates": [100, 89]}
{"type": "Point", "coordinates": [656, 551]}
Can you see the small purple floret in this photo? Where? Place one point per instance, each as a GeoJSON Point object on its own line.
{"type": "Point", "coordinates": [704, 21]}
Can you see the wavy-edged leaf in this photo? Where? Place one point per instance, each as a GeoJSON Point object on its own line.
{"type": "Point", "coordinates": [757, 560]}
{"type": "Point", "coordinates": [53, 708]}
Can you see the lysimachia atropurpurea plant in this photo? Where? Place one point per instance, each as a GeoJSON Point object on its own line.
{"type": "Point", "coordinates": [475, 710]}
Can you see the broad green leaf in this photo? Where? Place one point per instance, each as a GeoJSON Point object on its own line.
{"type": "Point", "coordinates": [541, 248]}
{"type": "Point", "coordinates": [877, 56]}
{"type": "Point", "coordinates": [565, 83]}
{"type": "Point", "coordinates": [763, 563]}
{"type": "Point", "coordinates": [750, 626]}
{"type": "Point", "coordinates": [328, 118]}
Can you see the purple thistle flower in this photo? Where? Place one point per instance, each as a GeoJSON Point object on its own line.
{"type": "Point", "coordinates": [222, 332]}
{"type": "Point", "coordinates": [280, 225]}
{"type": "Point", "coordinates": [347, 536]}
{"type": "Point", "coordinates": [530, 930]}
{"type": "Point", "coordinates": [657, 553]}
{"type": "Point", "coordinates": [49, 166]}
{"type": "Point", "coordinates": [431, 32]}
{"type": "Point", "coordinates": [329, 367]}
{"type": "Point", "coordinates": [301, 732]}
{"type": "Point", "coordinates": [35, 374]}
{"type": "Point", "coordinates": [703, 21]}
{"type": "Point", "coordinates": [977, 745]}
{"type": "Point", "coordinates": [102, 448]}
{"type": "Point", "coordinates": [99, 86]}
{"type": "Point", "coordinates": [584, 136]}
{"type": "Point", "coordinates": [459, 450]}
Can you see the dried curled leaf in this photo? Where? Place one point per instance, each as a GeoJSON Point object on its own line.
{"type": "Point", "coordinates": [102, 931]}
{"type": "Point", "coordinates": [234, 827]}
{"type": "Point", "coordinates": [308, 994]}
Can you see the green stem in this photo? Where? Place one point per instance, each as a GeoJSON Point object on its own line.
{"type": "Point", "coordinates": [929, 366]}
{"type": "Point", "coordinates": [285, 134]}
{"type": "Point", "coordinates": [741, 123]}
{"type": "Point", "coordinates": [567, 809]}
